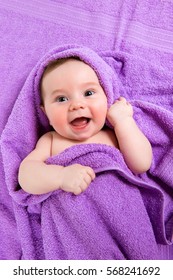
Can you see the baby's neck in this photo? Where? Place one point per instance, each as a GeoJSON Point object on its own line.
{"type": "Point", "coordinates": [105, 136]}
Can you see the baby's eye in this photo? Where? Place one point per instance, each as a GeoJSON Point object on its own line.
{"type": "Point", "coordinates": [89, 92]}
{"type": "Point", "coordinates": [61, 99]}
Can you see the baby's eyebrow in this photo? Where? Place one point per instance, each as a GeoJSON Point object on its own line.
{"type": "Point", "coordinates": [55, 91]}
{"type": "Point", "coordinates": [90, 84]}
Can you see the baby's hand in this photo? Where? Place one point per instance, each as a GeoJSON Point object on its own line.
{"type": "Point", "coordinates": [119, 111]}
{"type": "Point", "coordinates": [76, 178]}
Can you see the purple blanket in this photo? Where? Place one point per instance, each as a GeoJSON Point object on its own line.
{"type": "Point", "coordinates": [120, 216]}
{"type": "Point", "coordinates": [135, 38]}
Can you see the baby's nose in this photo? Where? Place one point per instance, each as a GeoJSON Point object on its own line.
{"type": "Point", "coordinates": [76, 105]}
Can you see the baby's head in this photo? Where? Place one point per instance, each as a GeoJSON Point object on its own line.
{"type": "Point", "coordinates": [73, 99]}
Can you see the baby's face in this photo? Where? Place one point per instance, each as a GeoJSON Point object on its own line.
{"type": "Point", "coordinates": [74, 100]}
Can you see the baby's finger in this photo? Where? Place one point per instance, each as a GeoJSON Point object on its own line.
{"type": "Point", "coordinates": [91, 173]}
{"type": "Point", "coordinates": [121, 98]}
{"type": "Point", "coordinates": [128, 103]}
{"type": "Point", "coordinates": [77, 191]}
{"type": "Point", "coordinates": [86, 181]}
{"type": "Point", "coordinates": [83, 185]}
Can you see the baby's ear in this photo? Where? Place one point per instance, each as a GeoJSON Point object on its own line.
{"type": "Point", "coordinates": [42, 108]}
{"type": "Point", "coordinates": [44, 111]}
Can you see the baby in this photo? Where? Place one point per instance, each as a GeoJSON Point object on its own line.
{"type": "Point", "coordinates": [76, 107]}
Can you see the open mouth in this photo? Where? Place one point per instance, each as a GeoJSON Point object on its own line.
{"type": "Point", "coordinates": [80, 122]}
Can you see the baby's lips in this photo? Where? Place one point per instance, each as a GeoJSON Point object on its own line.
{"type": "Point", "coordinates": [79, 121]}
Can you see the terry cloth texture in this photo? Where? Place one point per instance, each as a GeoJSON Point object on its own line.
{"type": "Point", "coordinates": [119, 209]}
{"type": "Point", "coordinates": [136, 39]}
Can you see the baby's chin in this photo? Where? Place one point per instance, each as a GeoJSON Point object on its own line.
{"type": "Point", "coordinates": [83, 137]}
{"type": "Point", "coordinates": [80, 139]}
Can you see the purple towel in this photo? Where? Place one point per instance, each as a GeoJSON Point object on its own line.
{"type": "Point", "coordinates": [139, 39]}
{"type": "Point", "coordinates": [120, 216]}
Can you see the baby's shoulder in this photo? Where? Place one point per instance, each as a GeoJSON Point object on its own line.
{"type": "Point", "coordinates": [45, 139]}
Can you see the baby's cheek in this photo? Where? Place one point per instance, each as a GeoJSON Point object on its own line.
{"type": "Point", "coordinates": [58, 120]}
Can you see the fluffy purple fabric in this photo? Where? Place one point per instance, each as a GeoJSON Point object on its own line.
{"type": "Point", "coordinates": [120, 216]}
{"type": "Point", "coordinates": [135, 39]}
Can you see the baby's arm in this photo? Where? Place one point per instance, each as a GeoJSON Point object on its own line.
{"type": "Point", "coordinates": [37, 177]}
{"type": "Point", "coordinates": [133, 144]}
